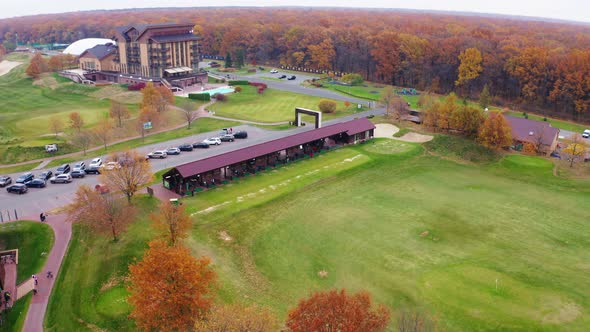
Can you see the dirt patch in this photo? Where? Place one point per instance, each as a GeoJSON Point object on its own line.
{"type": "Point", "coordinates": [323, 274]}
{"type": "Point", "coordinates": [562, 313]}
{"type": "Point", "coordinates": [6, 66]}
{"type": "Point", "coordinates": [415, 138]}
{"type": "Point", "coordinates": [225, 237]}
{"type": "Point", "coordinates": [112, 282]}
{"type": "Point", "coordinates": [385, 130]}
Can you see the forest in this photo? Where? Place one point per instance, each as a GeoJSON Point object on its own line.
{"type": "Point", "coordinates": [527, 64]}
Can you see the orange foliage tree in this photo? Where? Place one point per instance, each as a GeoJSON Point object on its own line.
{"type": "Point", "coordinates": [495, 132]}
{"type": "Point", "coordinates": [169, 288]}
{"type": "Point", "coordinates": [76, 121]}
{"type": "Point", "coordinates": [119, 112]}
{"type": "Point", "coordinates": [37, 66]}
{"type": "Point", "coordinates": [236, 317]}
{"type": "Point", "coordinates": [102, 213]}
{"type": "Point", "coordinates": [172, 222]}
{"type": "Point", "coordinates": [337, 311]}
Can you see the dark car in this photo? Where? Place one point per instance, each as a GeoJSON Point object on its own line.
{"type": "Point", "coordinates": [46, 175]}
{"type": "Point", "coordinates": [27, 177]}
{"type": "Point", "coordinates": [200, 145]}
{"type": "Point", "coordinates": [227, 138]}
{"type": "Point", "coordinates": [17, 188]}
{"type": "Point", "coordinates": [78, 173]}
{"type": "Point", "coordinates": [5, 180]}
{"type": "Point", "coordinates": [241, 134]}
{"type": "Point", "coordinates": [36, 183]}
{"type": "Point", "coordinates": [292, 77]}
{"type": "Point", "coordinates": [185, 147]}
{"type": "Point", "coordinates": [282, 76]}
{"type": "Point", "coordinates": [63, 169]}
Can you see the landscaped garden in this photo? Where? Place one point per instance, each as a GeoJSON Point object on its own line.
{"type": "Point", "coordinates": [475, 240]}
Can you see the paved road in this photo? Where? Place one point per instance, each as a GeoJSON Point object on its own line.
{"type": "Point", "coordinates": [54, 196]}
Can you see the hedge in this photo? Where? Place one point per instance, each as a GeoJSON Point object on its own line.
{"type": "Point", "coordinates": [136, 86]}
{"type": "Point", "coordinates": [199, 96]}
{"type": "Point", "coordinates": [259, 85]}
{"type": "Point", "coordinates": [237, 82]}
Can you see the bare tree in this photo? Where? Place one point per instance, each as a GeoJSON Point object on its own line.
{"type": "Point", "coordinates": [118, 111]}
{"type": "Point", "coordinates": [134, 172]}
{"type": "Point", "coordinates": [82, 140]}
{"type": "Point", "coordinates": [187, 109]}
{"type": "Point", "coordinates": [388, 98]}
{"type": "Point", "coordinates": [56, 125]}
{"type": "Point", "coordinates": [103, 132]}
{"type": "Point", "coordinates": [400, 108]}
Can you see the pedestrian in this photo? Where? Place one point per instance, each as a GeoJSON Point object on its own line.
{"type": "Point", "coordinates": [41, 217]}
{"type": "Point", "coordinates": [35, 279]}
{"type": "Point", "coordinates": [35, 290]}
{"type": "Point", "coordinates": [49, 274]}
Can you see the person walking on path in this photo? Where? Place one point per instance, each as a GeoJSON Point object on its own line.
{"type": "Point", "coordinates": [35, 279]}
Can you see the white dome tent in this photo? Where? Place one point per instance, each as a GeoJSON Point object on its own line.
{"type": "Point", "coordinates": [78, 47]}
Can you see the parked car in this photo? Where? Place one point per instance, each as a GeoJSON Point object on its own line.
{"type": "Point", "coordinates": [26, 177]}
{"type": "Point", "coordinates": [282, 76]}
{"type": "Point", "coordinates": [292, 77]}
{"type": "Point", "coordinates": [94, 166]}
{"type": "Point", "coordinates": [102, 188]}
{"type": "Point", "coordinates": [586, 133]}
{"type": "Point", "coordinates": [17, 188]}
{"type": "Point", "coordinates": [61, 178]}
{"type": "Point", "coordinates": [51, 148]}
{"type": "Point", "coordinates": [111, 165]}
{"type": "Point", "coordinates": [273, 71]}
{"type": "Point", "coordinates": [5, 180]}
{"type": "Point", "coordinates": [173, 151]}
{"type": "Point", "coordinates": [200, 145]}
{"type": "Point", "coordinates": [212, 141]}
{"type": "Point", "coordinates": [36, 183]}
{"type": "Point", "coordinates": [227, 138]}
{"type": "Point", "coordinates": [78, 173]}
{"type": "Point", "coordinates": [96, 162]}
{"type": "Point", "coordinates": [80, 166]}
{"type": "Point", "coordinates": [46, 175]}
{"type": "Point", "coordinates": [241, 134]}
{"type": "Point", "coordinates": [160, 154]}
{"type": "Point", "coordinates": [63, 169]}
{"type": "Point", "coordinates": [185, 147]}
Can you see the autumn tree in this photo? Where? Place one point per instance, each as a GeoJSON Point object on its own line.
{"type": "Point", "coordinates": [485, 99]}
{"type": "Point", "coordinates": [466, 120]}
{"type": "Point", "coordinates": [82, 140]}
{"type": "Point", "coordinates": [237, 318]}
{"type": "Point", "coordinates": [337, 311]}
{"type": "Point", "coordinates": [576, 149]}
{"type": "Point", "coordinates": [103, 132]}
{"type": "Point", "coordinates": [165, 98]}
{"type": "Point", "coordinates": [352, 79]}
{"type": "Point", "coordinates": [76, 122]}
{"type": "Point", "coordinates": [135, 172]}
{"type": "Point", "coordinates": [56, 125]}
{"type": "Point", "coordinates": [170, 290]}
{"type": "Point", "coordinates": [445, 111]}
{"type": "Point", "coordinates": [495, 132]}
{"type": "Point", "coordinates": [149, 97]}
{"type": "Point", "coordinates": [321, 55]}
{"type": "Point", "coordinates": [118, 111]}
{"type": "Point", "coordinates": [470, 66]}
{"type": "Point", "coordinates": [400, 108]}
{"type": "Point", "coordinates": [172, 222]}
{"type": "Point", "coordinates": [385, 51]}
{"type": "Point", "coordinates": [188, 112]}
{"type": "Point", "coordinates": [431, 115]}
{"type": "Point", "coordinates": [37, 66]}
{"type": "Point", "coordinates": [327, 106]}
{"type": "Point", "coordinates": [388, 98]}
{"type": "Point", "coordinates": [101, 213]}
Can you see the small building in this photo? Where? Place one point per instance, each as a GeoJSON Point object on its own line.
{"type": "Point", "coordinates": [538, 133]}
{"type": "Point", "coordinates": [98, 58]}
{"type": "Point", "coordinates": [205, 173]}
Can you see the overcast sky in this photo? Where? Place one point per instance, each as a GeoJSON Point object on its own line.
{"type": "Point", "coordinates": [576, 10]}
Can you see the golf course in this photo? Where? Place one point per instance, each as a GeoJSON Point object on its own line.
{"type": "Point", "coordinates": [471, 239]}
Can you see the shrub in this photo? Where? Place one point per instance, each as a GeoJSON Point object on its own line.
{"type": "Point", "coordinates": [199, 96]}
{"type": "Point", "coordinates": [327, 106]}
{"type": "Point", "coordinates": [258, 84]}
{"type": "Point", "coordinates": [238, 82]}
{"type": "Point", "coordinates": [136, 86]}
{"type": "Point", "coordinates": [238, 89]}
{"type": "Point", "coordinates": [260, 90]}
{"type": "Point", "coordinates": [252, 70]}
{"type": "Point", "coordinates": [347, 103]}
{"type": "Point", "coordinates": [220, 97]}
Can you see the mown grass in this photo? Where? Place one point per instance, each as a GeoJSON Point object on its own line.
{"type": "Point", "coordinates": [18, 169]}
{"type": "Point", "coordinates": [561, 124]}
{"type": "Point", "coordinates": [271, 106]}
{"type": "Point", "coordinates": [14, 319]}
{"type": "Point", "coordinates": [33, 241]}
{"type": "Point", "coordinates": [90, 289]}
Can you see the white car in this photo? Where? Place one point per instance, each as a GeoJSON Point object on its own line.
{"type": "Point", "coordinates": [96, 162]}
{"type": "Point", "coordinates": [79, 166]}
{"type": "Point", "coordinates": [586, 133]}
{"type": "Point", "coordinates": [112, 165]}
{"type": "Point", "coordinates": [274, 71]}
{"type": "Point", "coordinates": [213, 141]}
{"type": "Point", "coordinates": [161, 154]}
{"type": "Point", "coordinates": [62, 178]}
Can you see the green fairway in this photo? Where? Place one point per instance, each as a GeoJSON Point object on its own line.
{"type": "Point", "coordinates": [90, 290]}
{"type": "Point", "coordinates": [33, 241]}
{"type": "Point", "coordinates": [271, 106]}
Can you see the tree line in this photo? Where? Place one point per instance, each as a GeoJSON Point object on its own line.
{"type": "Point", "coordinates": [525, 63]}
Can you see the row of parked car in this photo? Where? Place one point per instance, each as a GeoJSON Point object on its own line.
{"type": "Point", "coordinates": [290, 78]}
{"type": "Point", "coordinates": [161, 154]}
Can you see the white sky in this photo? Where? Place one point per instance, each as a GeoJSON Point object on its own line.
{"type": "Point", "coordinates": [576, 10]}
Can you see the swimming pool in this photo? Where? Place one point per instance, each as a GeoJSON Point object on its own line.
{"type": "Point", "coordinates": [223, 89]}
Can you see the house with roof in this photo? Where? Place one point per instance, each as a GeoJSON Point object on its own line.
{"type": "Point", "coordinates": [98, 58]}
{"type": "Point", "coordinates": [539, 133]}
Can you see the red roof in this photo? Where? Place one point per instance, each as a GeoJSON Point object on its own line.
{"type": "Point", "coordinates": [233, 157]}
{"type": "Point", "coordinates": [525, 130]}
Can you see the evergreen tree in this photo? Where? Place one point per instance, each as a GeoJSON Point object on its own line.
{"type": "Point", "coordinates": [228, 61]}
{"type": "Point", "coordinates": [484, 97]}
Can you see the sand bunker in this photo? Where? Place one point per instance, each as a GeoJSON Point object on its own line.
{"type": "Point", "coordinates": [6, 66]}
{"type": "Point", "coordinates": [415, 138]}
{"type": "Point", "coordinates": [385, 130]}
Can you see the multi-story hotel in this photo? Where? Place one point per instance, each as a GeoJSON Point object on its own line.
{"type": "Point", "coordinates": [165, 53]}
